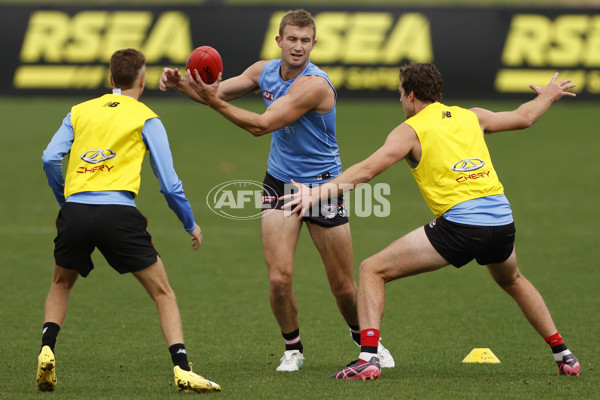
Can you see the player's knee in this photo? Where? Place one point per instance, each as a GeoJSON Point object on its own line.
{"type": "Point", "coordinates": [344, 292]}
{"type": "Point", "coordinates": [64, 282]}
{"type": "Point", "coordinates": [63, 286]}
{"type": "Point", "coordinates": [163, 293]}
{"type": "Point", "coordinates": [507, 280]}
{"type": "Point", "coordinates": [280, 285]}
{"type": "Point", "coordinates": [367, 267]}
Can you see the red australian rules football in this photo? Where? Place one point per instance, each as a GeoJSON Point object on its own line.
{"type": "Point", "coordinates": [207, 61]}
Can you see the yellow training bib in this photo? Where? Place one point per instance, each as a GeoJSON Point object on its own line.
{"type": "Point", "coordinates": [455, 162]}
{"type": "Point", "coordinates": [108, 149]}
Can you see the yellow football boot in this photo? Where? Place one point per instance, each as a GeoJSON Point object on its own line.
{"type": "Point", "coordinates": [46, 371]}
{"type": "Point", "coordinates": [188, 380]}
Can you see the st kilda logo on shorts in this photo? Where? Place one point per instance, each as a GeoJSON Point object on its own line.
{"type": "Point", "coordinates": [329, 211]}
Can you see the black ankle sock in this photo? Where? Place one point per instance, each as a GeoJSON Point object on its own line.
{"type": "Point", "coordinates": [292, 340]}
{"type": "Point", "coordinates": [179, 356]}
{"type": "Point", "coordinates": [560, 348]}
{"type": "Point", "coordinates": [49, 334]}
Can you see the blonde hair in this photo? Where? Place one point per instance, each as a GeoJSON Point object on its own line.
{"type": "Point", "coordinates": [299, 17]}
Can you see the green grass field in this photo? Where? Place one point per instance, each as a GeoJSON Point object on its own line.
{"type": "Point", "coordinates": [111, 347]}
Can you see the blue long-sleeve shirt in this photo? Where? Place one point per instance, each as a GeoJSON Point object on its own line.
{"type": "Point", "coordinates": [161, 161]}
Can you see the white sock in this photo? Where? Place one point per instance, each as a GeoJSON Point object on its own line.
{"type": "Point", "coordinates": [558, 357]}
{"type": "Point", "coordinates": [367, 356]}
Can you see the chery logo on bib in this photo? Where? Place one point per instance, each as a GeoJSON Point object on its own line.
{"type": "Point", "coordinates": [468, 164]}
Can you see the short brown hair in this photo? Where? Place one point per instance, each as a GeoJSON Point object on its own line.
{"type": "Point", "coordinates": [425, 80]}
{"type": "Point", "coordinates": [125, 67]}
{"type": "Point", "coordinates": [299, 17]}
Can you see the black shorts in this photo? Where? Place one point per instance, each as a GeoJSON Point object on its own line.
{"type": "Point", "coordinates": [328, 214]}
{"type": "Point", "coordinates": [459, 243]}
{"type": "Point", "coordinates": [119, 232]}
